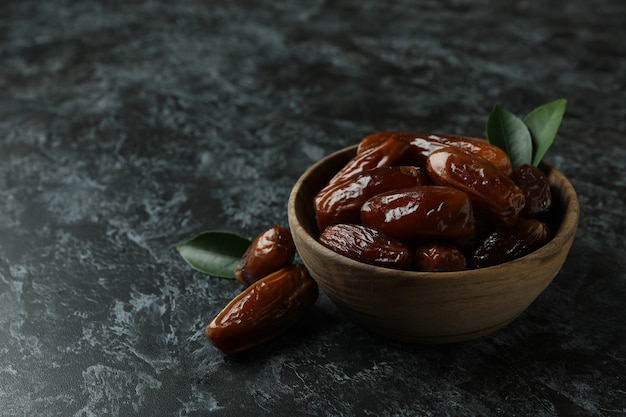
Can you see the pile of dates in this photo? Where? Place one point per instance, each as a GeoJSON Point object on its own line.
{"type": "Point", "coordinates": [277, 294]}
{"type": "Point", "coordinates": [433, 203]}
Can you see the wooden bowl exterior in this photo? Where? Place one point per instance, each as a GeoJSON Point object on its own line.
{"type": "Point", "coordinates": [425, 307]}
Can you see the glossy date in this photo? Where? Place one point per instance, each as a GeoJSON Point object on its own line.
{"type": "Point", "coordinates": [263, 310]}
{"type": "Point", "coordinates": [488, 187]}
{"type": "Point", "coordinates": [423, 212]}
{"type": "Point", "coordinates": [341, 202]}
{"type": "Point", "coordinates": [492, 153]}
{"type": "Point", "coordinates": [421, 146]}
{"type": "Point", "coordinates": [377, 139]}
{"type": "Point", "coordinates": [386, 152]}
{"type": "Point", "coordinates": [366, 245]}
{"type": "Point", "coordinates": [268, 252]}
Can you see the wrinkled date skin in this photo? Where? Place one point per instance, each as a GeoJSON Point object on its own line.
{"type": "Point", "coordinates": [270, 251]}
{"type": "Point", "coordinates": [263, 310]}
{"type": "Point", "coordinates": [488, 187]}
{"type": "Point", "coordinates": [508, 243]}
{"type": "Point", "coordinates": [424, 212]}
{"type": "Point", "coordinates": [366, 245]}
{"type": "Point", "coordinates": [377, 139]}
{"type": "Point", "coordinates": [341, 202]}
{"type": "Point", "coordinates": [421, 146]}
{"type": "Point", "coordinates": [387, 152]}
{"type": "Point", "coordinates": [536, 188]}
{"type": "Point", "coordinates": [482, 148]}
{"type": "Point", "coordinates": [438, 257]}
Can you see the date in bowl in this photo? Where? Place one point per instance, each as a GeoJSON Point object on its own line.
{"type": "Point", "coordinates": [429, 307]}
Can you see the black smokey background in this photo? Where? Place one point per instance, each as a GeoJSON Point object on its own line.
{"type": "Point", "coordinates": [126, 127]}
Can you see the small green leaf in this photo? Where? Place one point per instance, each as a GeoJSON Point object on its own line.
{"type": "Point", "coordinates": [509, 133]}
{"type": "Point", "coordinates": [214, 252]}
{"type": "Point", "coordinates": [543, 123]}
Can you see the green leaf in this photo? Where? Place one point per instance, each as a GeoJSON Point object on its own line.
{"type": "Point", "coordinates": [510, 133]}
{"type": "Point", "coordinates": [543, 123]}
{"type": "Point", "coordinates": [214, 252]}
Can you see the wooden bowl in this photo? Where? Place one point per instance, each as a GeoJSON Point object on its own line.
{"type": "Point", "coordinates": [428, 307]}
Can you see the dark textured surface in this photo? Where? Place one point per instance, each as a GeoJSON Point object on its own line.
{"type": "Point", "coordinates": [126, 127]}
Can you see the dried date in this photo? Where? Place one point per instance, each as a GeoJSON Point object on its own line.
{"type": "Point", "coordinates": [387, 152]}
{"type": "Point", "coordinates": [438, 257]}
{"type": "Point", "coordinates": [423, 212]}
{"type": "Point", "coordinates": [536, 188]}
{"type": "Point", "coordinates": [270, 251]}
{"type": "Point", "coordinates": [366, 245]}
{"type": "Point", "coordinates": [377, 139]}
{"type": "Point", "coordinates": [509, 243]}
{"type": "Point", "coordinates": [341, 202]}
{"type": "Point", "coordinates": [479, 147]}
{"type": "Point", "coordinates": [488, 187]}
{"type": "Point", "coordinates": [420, 147]}
{"type": "Point", "coordinates": [263, 310]}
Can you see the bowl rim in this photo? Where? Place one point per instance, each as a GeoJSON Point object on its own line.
{"type": "Point", "coordinates": [560, 239]}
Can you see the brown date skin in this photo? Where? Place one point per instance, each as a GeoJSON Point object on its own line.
{"type": "Point", "coordinates": [490, 152]}
{"type": "Point", "coordinates": [536, 188]}
{"type": "Point", "coordinates": [270, 251]}
{"type": "Point", "coordinates": [420, 147]}
{"type": "Point", "coordinates": [263, 310]}
{"type": "Point", "coordinates": [424, 212]}
{"type": "Point", "coordinates": [341, 202]}
{"type": "Point", "coordinates": [377, 139]}
{"type": "Point", "coordinates": [509, 243]}
{"type": "Point", "coordinates": [366, 245]}
{"type": "Point", "coordinates": [438, 257]}
{"type": "Point", "coordinates": [488, 187]}
{"type": "Point", "coordinates": [388, 152]}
